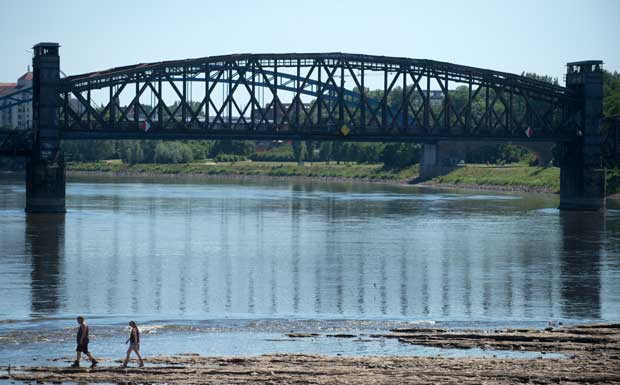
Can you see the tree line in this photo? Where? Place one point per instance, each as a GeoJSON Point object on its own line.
{"type": "Point", "coordinates": [392, 155]}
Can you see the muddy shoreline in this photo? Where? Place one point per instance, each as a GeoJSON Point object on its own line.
{"type": "Point", "coordinates": [590, 354]}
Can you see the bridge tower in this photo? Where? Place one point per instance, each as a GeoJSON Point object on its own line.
{"type": "Point", "coordinates": [45, 169]}
{"type": "Point", "coordinates": [582, 177]}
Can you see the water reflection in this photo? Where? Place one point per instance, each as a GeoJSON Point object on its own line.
{"type": "Point", "coordinates": [582, 242]}
{"type": "Point", "coordinates": [45, 235]}
{"type": "Point", "coordinates": [225, 250]}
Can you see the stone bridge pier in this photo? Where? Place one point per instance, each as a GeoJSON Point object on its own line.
{"type": "Point", "coordinates": [45, 169]}
{"type": "Point", "coordinates": [440, 158]}
{"type": "Point", "coordinates": [582, 176]}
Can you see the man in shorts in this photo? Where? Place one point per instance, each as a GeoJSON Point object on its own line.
{"type": "Point", "coordinates": [82, 344]}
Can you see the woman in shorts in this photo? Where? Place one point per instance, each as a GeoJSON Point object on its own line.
{"type": "Point", "coordinates": [134, 344]}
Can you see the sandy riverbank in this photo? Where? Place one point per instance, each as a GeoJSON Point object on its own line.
{"type": "Point", "coordinates": [591, 354]}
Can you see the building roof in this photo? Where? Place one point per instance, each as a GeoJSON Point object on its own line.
{"type": "Point", "coordinates": [46, 44]}
{"type": "Point", "coordinates": [6, 88]}
{"type": "Point", "coordinates": [585, 62]}
{"type": "Point", "coordinates": [26, 76]}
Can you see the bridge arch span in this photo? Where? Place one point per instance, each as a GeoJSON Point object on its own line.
{"type": "Point", "coordinates": [324, 96]}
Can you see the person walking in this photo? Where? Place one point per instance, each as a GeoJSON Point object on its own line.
{"type": "Point", "coordinates": [134, 344]}
{"type": "Point", "coordinates": [82, 344]}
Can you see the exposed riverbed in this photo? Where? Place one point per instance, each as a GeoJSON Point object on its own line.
{"type": "Point", "coordinates": [579, 354]}
{"type": "Point", "coordinates": [241, 268]}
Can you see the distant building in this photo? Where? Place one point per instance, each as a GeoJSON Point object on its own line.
{"type": "Point", "coordinates": [435, 97]}
{"type": "Point", "coordinates": [19, 116]}
{"type": "Point", "coordinates": [6, 116]}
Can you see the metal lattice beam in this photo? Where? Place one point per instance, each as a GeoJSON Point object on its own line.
{"type": "Point", "coordinates": [15, 98]}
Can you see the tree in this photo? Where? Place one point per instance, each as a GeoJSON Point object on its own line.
{"type": "Point", "coordinates": [233, 147]}
{"type": "Point", "coordinates": [501, 153]}
{"type": "Point", "coordinates": [542, 78]}
{"type": "Point", "coordinates": [88, 151]}
{"type": "Point", "coordinates": [400, 155]}
{"type": "Point", "coordinates": [310, 148]}
{"type": "Point", "coordinates": [326, 151]}
{"type": "Point", "coordinates": [299, 151]}
{"type": "Point", "coordinates": [611, 93]}
{"type": "Point", "coordinates": [338, 151]}
{"type": "Point", "coordinates": [135, 153]}
{"type": "Point", "coordinates": [131, 151]}
{"type": "Point", "coordinates": [200, 148]}
{"type": "Point", "coordinates": [173, 152]}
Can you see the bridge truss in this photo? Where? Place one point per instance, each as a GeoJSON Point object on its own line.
{"type": "Point", "coordinates": [314, 96]}
{"type": "Point", "coordinates": [20, 96]}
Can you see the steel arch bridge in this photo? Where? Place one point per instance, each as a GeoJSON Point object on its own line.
{"type": "Point", "coordinates": [314, 96]}
{"type": "Point", "coordinates": [322, 96]}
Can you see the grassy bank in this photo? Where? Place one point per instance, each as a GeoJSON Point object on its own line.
{"type": "Point", "coordinates": [514, 176]}
{"type": "Point", "coordinates": [509, 176]}
{"type": "Point", "coordinates": [517, 176]}
{"type": "Point", "coordinates": [274, 169]}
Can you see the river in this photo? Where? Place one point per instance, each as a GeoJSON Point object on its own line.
{"type": "Point", "coordinates": [229, 268]}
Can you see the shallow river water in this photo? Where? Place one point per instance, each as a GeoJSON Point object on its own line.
{"type": "Point", "coordinates": [229, 268]}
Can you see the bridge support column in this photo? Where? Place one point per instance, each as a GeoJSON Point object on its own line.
{"type": "Point", "coordinates": [45, 186]}
{"type": "Point", "coordinates": [434, 162]}
{"type": "Point", "coordinates": [582, 177]}
{"type": "Point", "coordinates": [45, 173]}
{"type": "Point", "coordinates": [429, 164]}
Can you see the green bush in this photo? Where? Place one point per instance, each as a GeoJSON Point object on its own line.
{"type": "Point", "coordinates": [400, 155]}
{"type": "Point", "coordinates": [88, 150]}
{"type": "Point", "coordinates": [221, 158]}
{"type": "Point", "coordinates": [173, 152]}
{"type": "Point", "coordinates": [613, 181]}
{"type": "Point", "coordinates": [499, 154]}
{"type": "Point", "coordinates": [235, 147]}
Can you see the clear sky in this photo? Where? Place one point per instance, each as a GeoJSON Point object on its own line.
{"type": "Point", "coordinates": [525, 35]}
